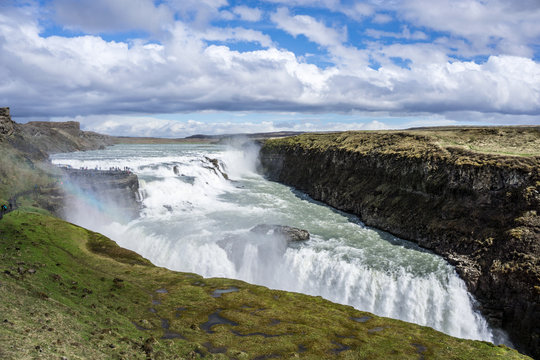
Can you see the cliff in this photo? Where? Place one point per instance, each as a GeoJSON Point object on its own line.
{"type": "Point", "coordinates": [55, 137]}
{"type": "Point", "coordinates": [115, 192]}
{"type": "Point", "coordinates": [24, 166]}
{"type": "Point", "coordinates": [476, 208]}
{"type": "Point", "coordinates": [38, 139]}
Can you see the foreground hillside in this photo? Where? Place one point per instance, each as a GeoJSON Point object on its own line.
{"type": "Point", "coordinates": [471, 195]}
{"type": "Point", "coordinates": [69, 292]}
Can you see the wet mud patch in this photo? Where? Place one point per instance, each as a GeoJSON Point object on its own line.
{"type": "Point", "coordinates": [218, 292]}
{"type": "Point", "coordinates": [340, 347]}
{"type": "Point", "coordinates": [375, 330]}
{"type": "Point", "coordinates": [179, 311]}
{"type": "Point", "coordinates": [420, 349]}
{"type": "Point", "coordinates": [216, 319]}
{"type": "Point", "coordinates": [259, 334]}
{"type": "Point", "coordinates": [361, 319]}
{"type": "Point", "coordinates": [139, 327]}
{"type": "Point", "coordinates": [214, 349]}
{"type": "Point", "coordinates": [165, 325]}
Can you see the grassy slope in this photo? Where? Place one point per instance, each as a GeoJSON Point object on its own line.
{"type": "Point", "coordinates": [59, 298]}
{"type": "Point", "coordinates": [472, 143]}
{"type": "Point", "coordinates": [18, 173]}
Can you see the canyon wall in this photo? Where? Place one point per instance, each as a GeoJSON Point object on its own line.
{"type": "Point", "coordinates": [479, 211]}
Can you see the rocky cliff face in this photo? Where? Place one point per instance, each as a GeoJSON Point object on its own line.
{"type": "Point", "coordinates": [6, 124]}
{"type": "Point", "coordinates": [40, 138]}
{"type": "Point", "coordinates": [479, 211]}
{"type": "Point", "coordinates": [24, 150]}
{"type": "Point", "coordinates": [114, 192]}
{"type": "Point", "coordinates": [54, 137]}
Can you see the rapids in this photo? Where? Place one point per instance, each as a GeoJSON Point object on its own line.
{"type": "Point", "coordinates": [194, 219]}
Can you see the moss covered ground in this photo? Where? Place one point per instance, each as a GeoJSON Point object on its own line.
{"type": "Point", "coordinates": [19, 173]}
{"type": "Point", "coordinates": [501, 146]}
{"type": "Point", "coordinates": [68, 292]}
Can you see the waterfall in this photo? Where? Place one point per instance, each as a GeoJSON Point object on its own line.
{"type": "Point", "coordinates": [200, 202]}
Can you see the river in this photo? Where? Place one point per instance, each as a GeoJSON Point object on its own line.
{"type": "Point", "coordinates": [194, 219]}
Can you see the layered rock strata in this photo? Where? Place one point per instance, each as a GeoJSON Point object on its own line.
{"type": "Point", "coordinates": [114, 192]}
{"type": "Point", "coordinates": [479, 211]}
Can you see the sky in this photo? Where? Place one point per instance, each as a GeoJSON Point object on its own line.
{"type": "Point", "coordinates": [174, 68]}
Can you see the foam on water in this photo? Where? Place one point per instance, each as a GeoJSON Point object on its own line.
{"type": "Point", "coordinates": [195, 220]}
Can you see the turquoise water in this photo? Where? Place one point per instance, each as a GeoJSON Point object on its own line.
{"type": "Point", "coordinates": [195, 220]}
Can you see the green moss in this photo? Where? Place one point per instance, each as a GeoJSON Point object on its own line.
{"type": "Point", "coordinates": [464, 146]}
{"type": "Point", "coordinates": [102, 245]}
{"type": "Point", "coordinates": [66, 291]}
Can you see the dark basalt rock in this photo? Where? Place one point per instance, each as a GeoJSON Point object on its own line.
{"type": "Point", "coordinates": [217, 167]}
{"type": "Point", "coordinates": [111, 188]}
{"type": "Point", "coordinates": [7, 126]}
{"type": "Point", "coordinates": [290, 233]}
{"type": "Point", "coordinates": [479, 211]}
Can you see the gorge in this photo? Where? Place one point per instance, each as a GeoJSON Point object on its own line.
{"type": "Point", "coordinates": [477, 209]}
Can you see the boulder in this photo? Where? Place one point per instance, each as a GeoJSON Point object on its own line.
{"type": "Point", "coordinates": [290, 233]}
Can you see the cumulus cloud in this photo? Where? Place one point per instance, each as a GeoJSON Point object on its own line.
{"type": "Point", "coordinates": [149, 126]}
{"type": "Point", "coordinates": [185, 71]}
{"type": "Point", "coordinates": [404, 34]}
{"type": "Point", "coordinates": [102, 16]}
{"type": "Point", "coordinates": [308, 26]}
{"type": "Point", "coordinates": [508, 27]}
{"type": "Point", "coordinates": [248, 14]}
{"type": "Point", "coordinates": [382, 18]}
{"type": "Point", "coordinates": [236, 35]}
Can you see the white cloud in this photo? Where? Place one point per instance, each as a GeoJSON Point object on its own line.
{"type": "Point", "coordinates": [382, 18]}
{"type": "Point", "coordinates": [248, 14]}
{"type": "Point", "coordinates": [508, 27]}
{"type": "Point", "coordinates": [149, 126]}
{"type": "Point", "coordinates": [101, 16]}
{"type": "Point", "coordinates": [237, 35]}
{"type": "Point", "coordinates": [404, 34]}
{"type": "Point", "coordinates": [87, 75]}
{"type": "Point", "coordinates": [329, 4]}
{"type": "Point", "coordinates": [358, 11]}
{"type": "Point", "coordinates": [308, 26]}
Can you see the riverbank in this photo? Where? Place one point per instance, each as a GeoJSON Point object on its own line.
{"type": "Point", "coordinates": [448, 191]}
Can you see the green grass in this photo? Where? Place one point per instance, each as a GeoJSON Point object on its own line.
{"type": "Point", "coordinates": [67, 291]}
{"type": "Point", "coordinates": [18, 173]}
{"type": "Point", "coordinates": [499, 146]}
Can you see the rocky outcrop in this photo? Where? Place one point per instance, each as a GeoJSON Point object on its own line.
{"type": "Point", "coordinates": [55, 137]}
{"type": "Point", "coordinates": [479, 211]}
{"type": "Point", "coordinates": [38, 139]}
{"type": "Point", "coordinates": [115, 192]}
{"type": "Point", "coordinates": [7, 126]}
{"type": "Point", "coordinates": [288, 232]}
{"type": "Point", "coordinates": [216, 166]}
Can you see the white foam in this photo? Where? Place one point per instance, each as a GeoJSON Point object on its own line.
{"type": "Point", "coordinates": [197, 221]}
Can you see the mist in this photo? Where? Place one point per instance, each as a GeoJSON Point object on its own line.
{"type": "Point", "coordinates": [198, 206]}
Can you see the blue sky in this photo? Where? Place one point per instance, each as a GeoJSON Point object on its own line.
{"type": "Point", "coordinates": [174, 68]}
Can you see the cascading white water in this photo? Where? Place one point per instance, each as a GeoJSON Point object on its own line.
{"type": "Point", "coordinates": [195, 220]}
